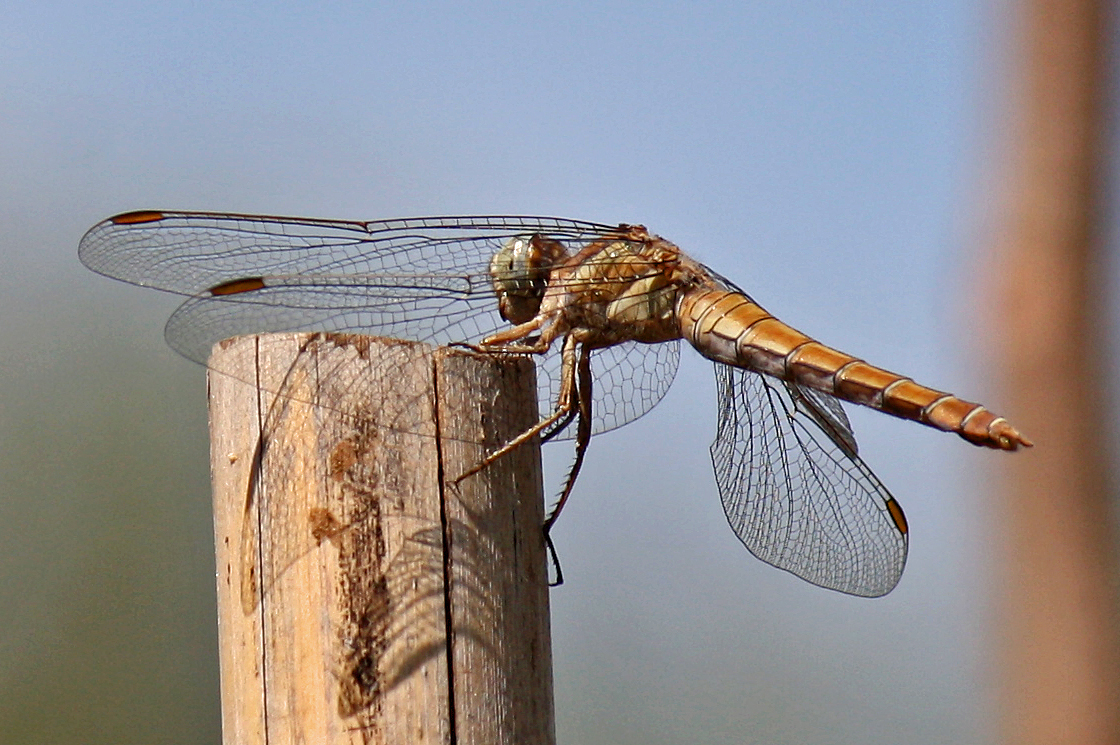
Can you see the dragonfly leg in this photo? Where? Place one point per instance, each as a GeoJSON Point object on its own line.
{"type": "Point", "coordinates": [555, 561]}
{"type": "Point", "coordinates": [583, 434]}
{"type": "Point", "coordinates": [530, 347]}
{"type": "Point", "coordinates": [560, 426]}
{"type": "Point", "coordinates": [518, 333]}
{"type": "Point", "coordinates": [565, 403]}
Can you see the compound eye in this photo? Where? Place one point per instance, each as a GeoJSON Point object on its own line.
{"type": "Point", "coordinates": [519, 279]}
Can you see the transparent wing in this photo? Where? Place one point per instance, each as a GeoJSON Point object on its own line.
{"type": "Point", "coordinates": [795, 491]}
{"type": "Point", "coordinates": [628, 380]}
{"type": "Point", "coordinates": [828, 414]}
{"type": "Point", "coordinates": [425, 279]}
{"type": "Point", "coordinates": [190, 252]}
{"type": "Point", "coordinates": [397, 308]}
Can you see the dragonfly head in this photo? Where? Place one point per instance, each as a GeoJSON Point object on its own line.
{"type": "Point", "coordinates": [519, 271]}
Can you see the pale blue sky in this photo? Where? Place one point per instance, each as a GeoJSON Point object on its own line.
{"type": "Point", "coordinates": [828, 157]}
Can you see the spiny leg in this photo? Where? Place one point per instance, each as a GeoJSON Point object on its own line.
{"type": "Point", "coordinates": [574, 399]}
{"type": "Point", "coordinates": [533, 345]}
{"type": "Point", "coordinates": [560, 426]}
{"type": "Point", "coordinates": [583, 432]}
{"type": "Point", "coordinates": [564, 405]}
{"type": "Point", "coordinates": [583, 437]}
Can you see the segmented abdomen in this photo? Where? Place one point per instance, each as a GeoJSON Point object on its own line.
{"type": "Point", "coordinates": [729, 327]}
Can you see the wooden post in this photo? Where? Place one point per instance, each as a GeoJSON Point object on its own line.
{"type": "Point", "coordinates": [363, 595]}
{"type": "Point", "coordinates": [1057, 635]}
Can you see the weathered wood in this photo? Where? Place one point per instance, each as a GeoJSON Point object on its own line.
{"type": "Point", "coordinates": [346, 548]}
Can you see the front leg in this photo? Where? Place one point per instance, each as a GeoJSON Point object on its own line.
{"type": "Point", "coordinates": [516, 337]}
{"type": "Point", "coordinates": [520, 339]}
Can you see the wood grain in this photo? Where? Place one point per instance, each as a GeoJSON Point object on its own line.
{"type": "Point", "coordinates": [346, 548]}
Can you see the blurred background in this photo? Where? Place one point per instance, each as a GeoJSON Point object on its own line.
{"type": "Point", "coordinates": [832, 162]}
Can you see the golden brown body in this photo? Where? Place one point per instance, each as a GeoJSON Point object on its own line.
{"type": "Point", "coordinates": [729, 327]}
{"type": "Point", "coordinates": [640, 287]}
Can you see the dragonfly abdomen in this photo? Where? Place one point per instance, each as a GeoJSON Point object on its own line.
{"type": "Point", "coordinates": [731, 328]}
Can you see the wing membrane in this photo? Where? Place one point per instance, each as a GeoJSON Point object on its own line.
{"type": "Point", "coordinates": [829, 415]}
{"type": "Point", "coordinates": [794, 491]}
{"type": "Point", "coordinates": [629, 379]}
{"type": "Point", "coordinates": [189, 252]}
{"type": "Point", "coordinates": [425, 279]}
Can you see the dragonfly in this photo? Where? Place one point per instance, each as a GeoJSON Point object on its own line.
{"type": "Point", "coordinates": [604, 307]}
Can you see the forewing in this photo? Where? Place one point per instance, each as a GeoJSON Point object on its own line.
{"type": "Point", "coordinates": [425, 279]}
{"type": "Point", "coordinates": [190, 252]}
{"type": "Point", "coordinates": [796, 494]}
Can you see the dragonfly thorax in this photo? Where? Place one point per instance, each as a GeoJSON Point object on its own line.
{"type": "Point", "coordinates": [519, 271]}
